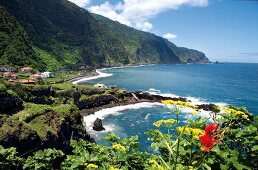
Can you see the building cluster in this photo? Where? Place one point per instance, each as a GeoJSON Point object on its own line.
{"type": "Point", "coordinates": [9, 73]}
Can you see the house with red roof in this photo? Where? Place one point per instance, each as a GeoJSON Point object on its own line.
{"type": "Point", "coordinates": [26, 69]}
{"type": "Point", "coordinates": [7, 74]}
{"type": "Point", "coordinates": [36, 77]}
{"type": "Point", "coordinates": [27, 81]}
{"type": "Point", "coordinates": [14, 76]}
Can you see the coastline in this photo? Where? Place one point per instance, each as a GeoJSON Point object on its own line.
{"type": "Point", "coordinates": [135, 100]}
{"type": "Point", "coordinates": [99, 74]}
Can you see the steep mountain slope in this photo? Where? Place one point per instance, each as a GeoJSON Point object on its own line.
{"type": "Point", "coordinates": [15, 47]}
{"type": "Point", "coordinates": [157, 49]}
{"type": "Point", "coordinates": [59, 34]}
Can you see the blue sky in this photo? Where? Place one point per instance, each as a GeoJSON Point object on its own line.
{"type": "Point", "coordinates": [225, 30]}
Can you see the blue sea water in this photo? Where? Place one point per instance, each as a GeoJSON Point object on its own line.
{"type": "Point", "coordinates": [230, 83]}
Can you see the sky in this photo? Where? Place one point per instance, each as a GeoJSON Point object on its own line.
{"type": "Point", "coordinates": [225, 30]}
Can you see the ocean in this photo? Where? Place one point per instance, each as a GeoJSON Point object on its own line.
{"type": "Point", "coordinates": [222, 84]}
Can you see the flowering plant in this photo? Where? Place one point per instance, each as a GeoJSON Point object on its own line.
{"type": "Point", "coordinates": [204, 142]}
{"type": "Point", "coordinates": [227, 139]}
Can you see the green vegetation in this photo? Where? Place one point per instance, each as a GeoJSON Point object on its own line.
{"type": "Point", "coordinates": [48, 134]}
{"type": "Point", "coordinates": [2, 87]}
{"type": "Point", "coordinates": [228, 143]}
{"type": "Point", "coordinates": [33, 117]}
{"type": "Point", "coordinates": [43, 159]}
{"type": "Point", "coordinates": [56, 34]}
{"type": "Point", "coordinates": [15, 46]}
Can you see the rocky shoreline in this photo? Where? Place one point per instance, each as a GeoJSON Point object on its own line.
{"type": "Point", "coordinates": [137, 97]}
{"type": "Point", "coordinates": [84, 75]}
{"type": "Point", "coordinates": [38, 117]}
{"type": "Point", "coordinates": [132, 98]}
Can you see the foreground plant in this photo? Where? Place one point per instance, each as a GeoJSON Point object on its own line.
{"type": "Point", "coordinates": [203, 142]}
{"type": "Point", "coordinates": [228, 139]}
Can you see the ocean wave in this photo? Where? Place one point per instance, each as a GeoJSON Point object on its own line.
{"type": "Point", "coordinates": [100, 75]}
{"type": "Point", "coordinates": [89, 120]}
{"type": "Point", "coordinates": [194, 100]}
{"type": "Point", "coordinates": [120, 67]}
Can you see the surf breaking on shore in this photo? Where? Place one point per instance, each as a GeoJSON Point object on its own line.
{"type": "Point", "coordinates": [101, 114]}
{"type": "Point", "coordinates": [118, 110]}
{"type": "Point", "coordinates": [100, 75]}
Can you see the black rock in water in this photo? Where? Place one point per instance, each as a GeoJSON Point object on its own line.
{"type": "Point", "coordinates": [209, 107]}
{"type": "Point", "coordinates": [98, 125]}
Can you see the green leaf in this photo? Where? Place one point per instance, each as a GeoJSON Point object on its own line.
{"type": "Point", "coordinates": [255, 148]}
{"type": "Point", "coordinates": [206, 166]}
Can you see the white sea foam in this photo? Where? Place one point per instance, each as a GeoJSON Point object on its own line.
{"type": "Point", "coordinates": [120, 67]}
{"type": "Point", "coordinates": [154, 90]}
{"type": "Point", "coordinates": [147, 116]}
{"type": "Point", "coordinates": [89, 120]}
{"type": "Point", "coordinates": [100, 75]}
{"type": "Point", "coordinates": [194, 100]}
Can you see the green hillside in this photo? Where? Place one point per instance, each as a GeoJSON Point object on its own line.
{"type": "Point", "coordinates": [53, 34]}
{"type": "Point", "coordinates": [15, 47]}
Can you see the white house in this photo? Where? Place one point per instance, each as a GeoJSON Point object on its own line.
{"type": "Point", "coordinates": [100, 86]}
{"type": "Point", "coordinates": [6, 69]}
{"type": "Point", "coordinates": [47, 74]}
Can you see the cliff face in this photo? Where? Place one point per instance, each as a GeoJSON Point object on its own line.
{"type": "Point", "coordinates": [9, 101]}
{"type": "Point", "coordinates": [57, 133]}
{"type": "Point", "coordinates": [57, 33]}
{"type": "Point", "coordinates": [29, 123]}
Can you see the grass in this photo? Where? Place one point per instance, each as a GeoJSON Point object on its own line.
{"type": "Point", "coordinates": [32, 109]}
{"type": "Point", "coordinates": [33, 116]}
{"type": "Point", "coordinates": [62, 86]}
{"type": "Point", "coordinates": [2, 87]}
{"type": "Point", "coordinates": [41, 127]}
{"type": "Point", "coordinates": [51, 61]}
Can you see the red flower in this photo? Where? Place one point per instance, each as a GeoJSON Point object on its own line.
{"type": "Point", "coordinates": [211, 128]}
{"type": "Point", "coordinates": [207, 142]}
{"type": "Point", "coordinates": [211, 137]}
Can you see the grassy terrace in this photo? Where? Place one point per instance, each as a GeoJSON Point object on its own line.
{"type": "Point", "coordinates": [47, 118]}
{"type": "Point", "coordinates": [43, 108]}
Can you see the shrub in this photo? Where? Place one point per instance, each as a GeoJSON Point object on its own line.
{"type": "Point", "coordinates": [45, 159]}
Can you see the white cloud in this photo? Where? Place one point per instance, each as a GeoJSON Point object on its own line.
{"type": "Point", "coordinates": [81, 3]}
{"type": "Point", "coordinates": [108, 10]}
{"type": "Point", "coordinates": [169, 36]}
{"type": "Point", "coordinates": [137, 13]}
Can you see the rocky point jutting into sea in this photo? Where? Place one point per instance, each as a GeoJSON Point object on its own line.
{"type": "Point", "coordinates": [54, 126]}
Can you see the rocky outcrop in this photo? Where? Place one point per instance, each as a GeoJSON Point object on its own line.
{"type": "Point", "coordinates": [15, 134]}
{"type": "Point", "coordinates": [9, 102]}
{"type": "Point", "coordinates": [94, 101]}
{"type": "Point", "coordinates": [209, 107]}
{"type": "Point", "coordinates": [47, 130]}
{"type": "Point", "coordinates": [97, 126]}
{"type": "Point", "coordinates": [157, 98]}
{"type": "Point", "coordinates": [36, 94]}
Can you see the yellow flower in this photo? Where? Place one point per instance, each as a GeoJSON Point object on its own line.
{"type": "Point", "coordinates": [191, 131]}
{"type": "Point", "coordinates": [155, 164]}
{"type": "Point", "coordinates": [245, 116]}
{"type": "Point", "coordinates": [157, 124]}
{"type": "Point", "coordinates": [152, 161]}
{"type": "Point", "coordinates": [92, 166]}
{"type": "Point", "coordinates": [195, 113]}
{"type": "Point", "coordinates": [235, 112]}
{"type": "Point", "coordinates": [167, 122]}
{"type": "Point", "coordinates": [187, 131]}
{"type": "Point", "coordinates": [113, 168]}
{"type": "Point", "coordinates": [119, 147]}
{"type": "Point", "coordinates": [190, 167]}
{"type": "Point", "coordinates": [179, 104]}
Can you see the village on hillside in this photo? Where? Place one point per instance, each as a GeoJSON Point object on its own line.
{"type": "Point", "coordinates": [23, 75]}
